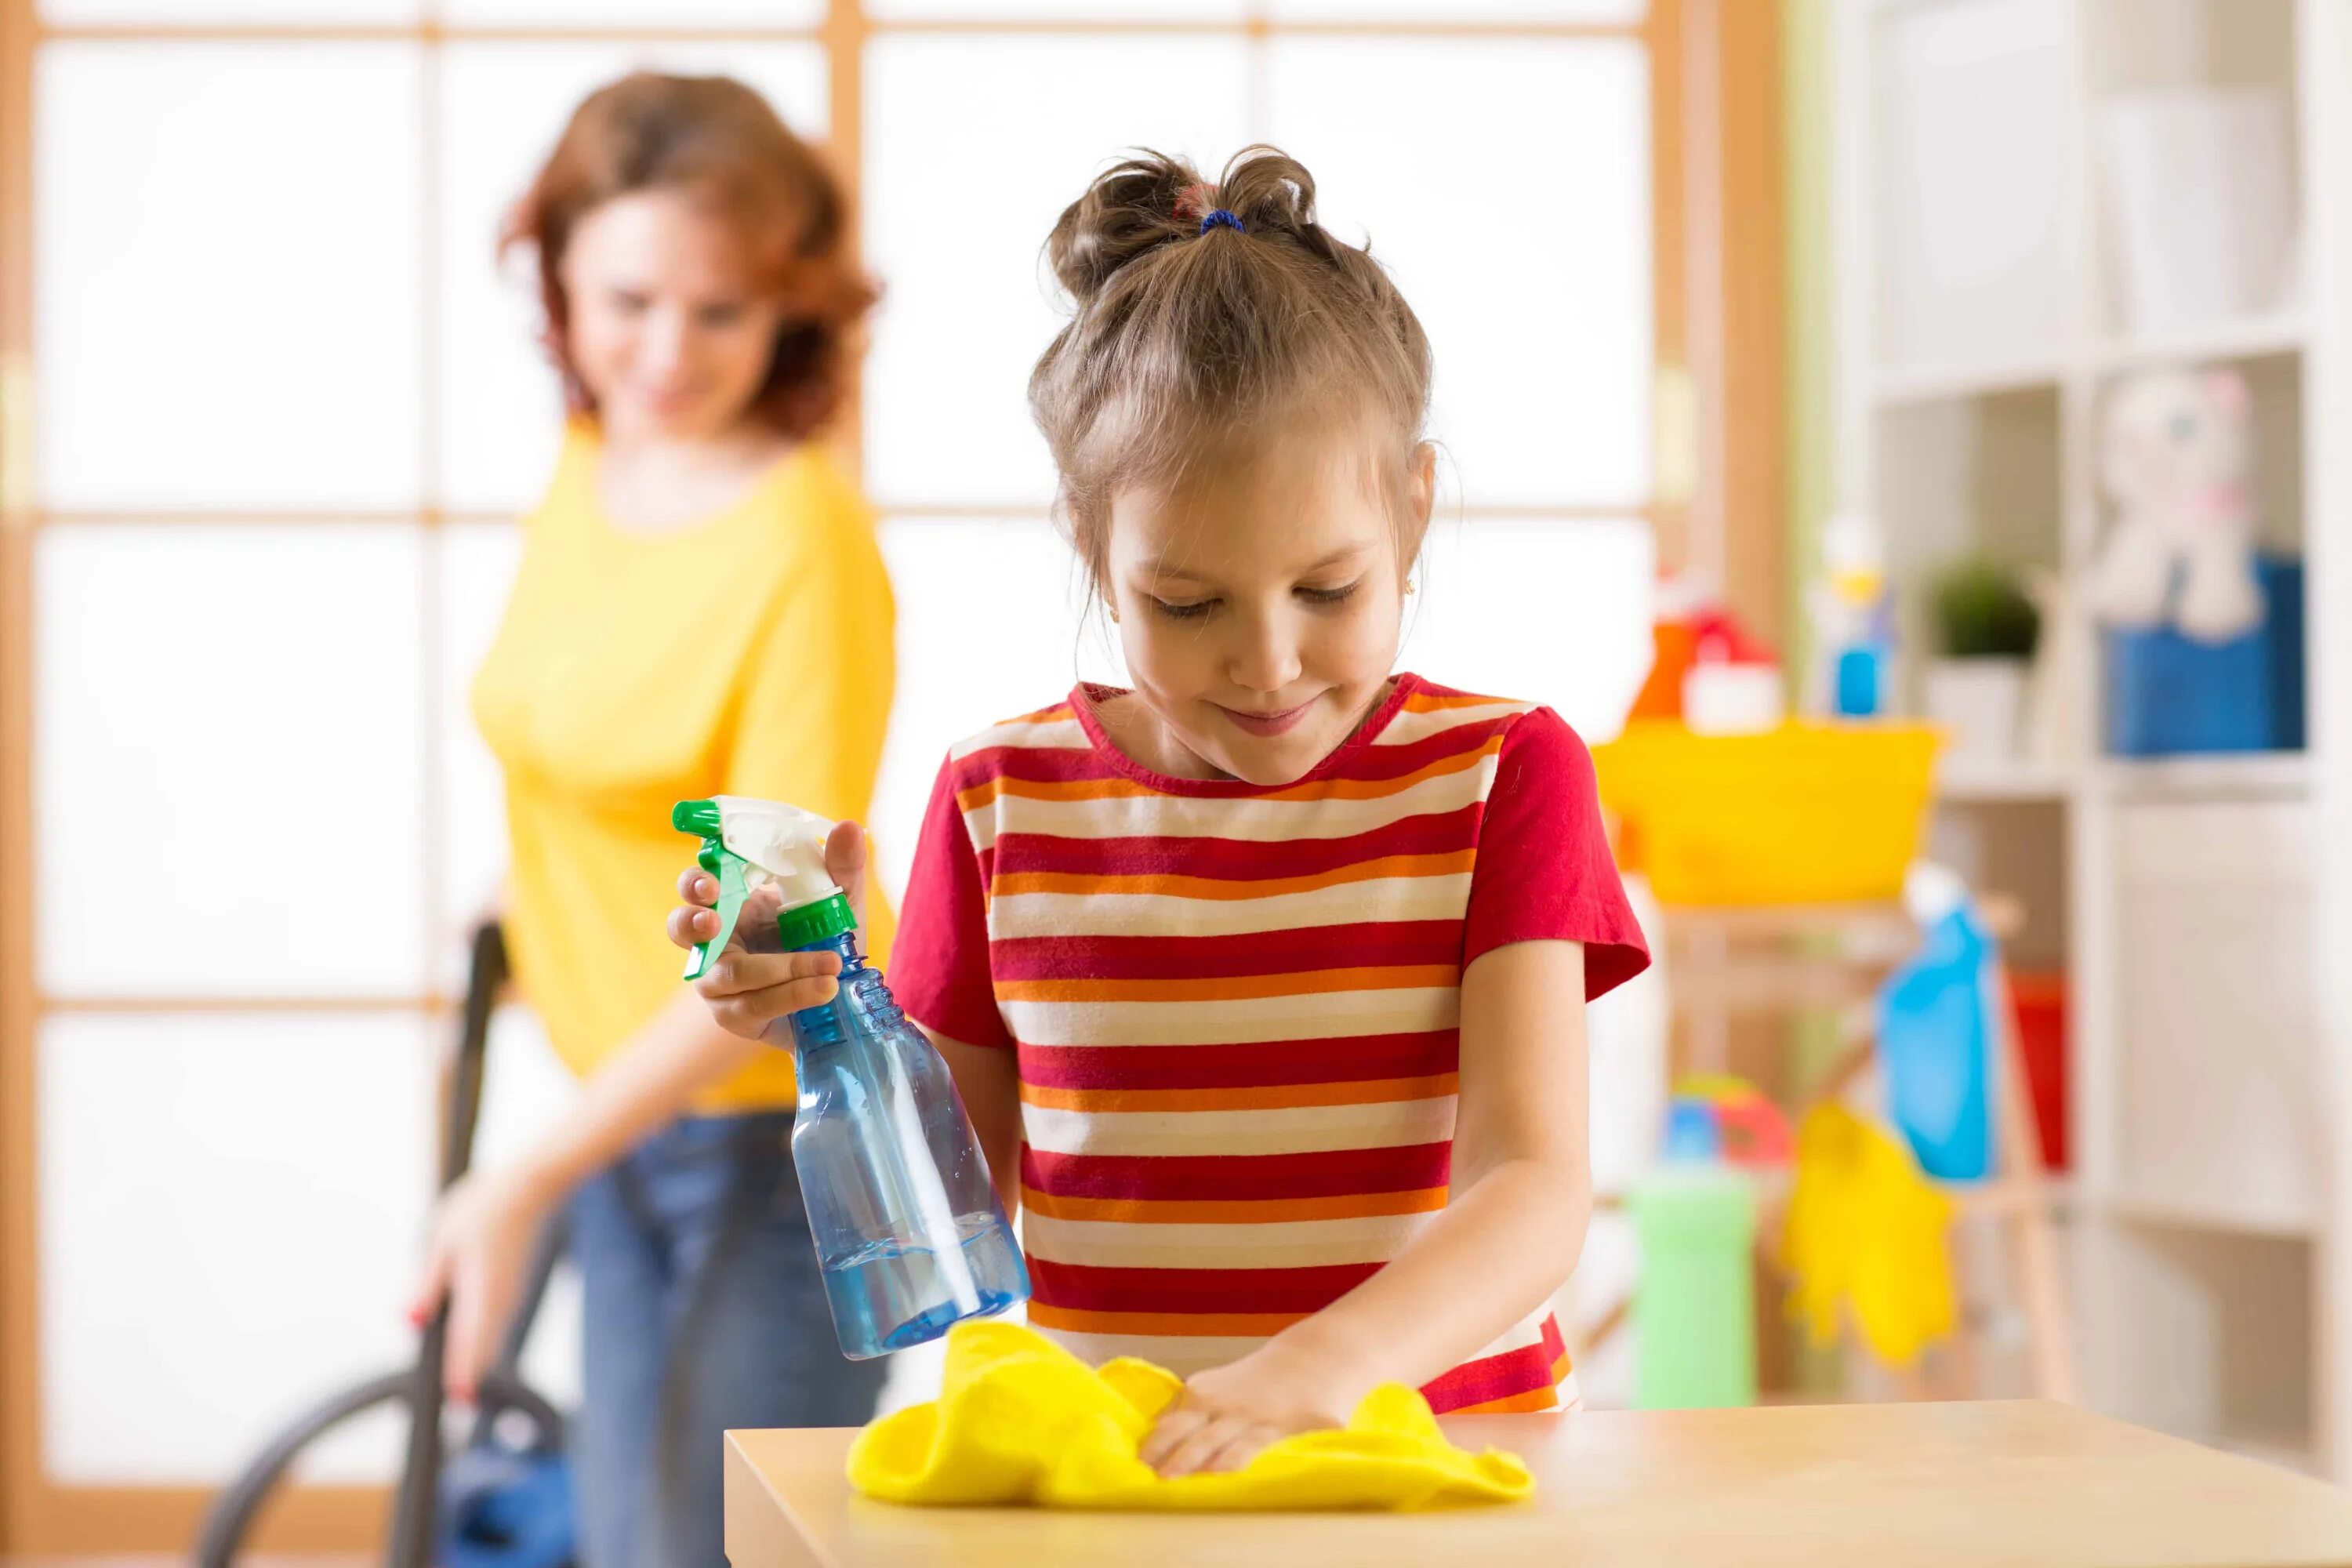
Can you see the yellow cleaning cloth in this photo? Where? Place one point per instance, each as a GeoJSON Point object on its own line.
{"type": "Point", "coordinates": [1020, 1420]}
{"type": "Point", "coordinates": [1866, 1228]}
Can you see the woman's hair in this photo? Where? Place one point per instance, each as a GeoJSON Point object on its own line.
{"type": "Point", "coordinates": [717, 142]}
{"type": "Point", "coordinates": [1208, 313]}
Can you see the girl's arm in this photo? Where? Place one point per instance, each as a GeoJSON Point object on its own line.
{"type": "Point", "coordinates": [1521, 1193]}
{"type": "Point", "coordinates": [989, 1079]}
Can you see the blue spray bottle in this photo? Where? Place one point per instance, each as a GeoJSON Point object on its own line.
{"type": "Point", "coordinates": [910, 1233]}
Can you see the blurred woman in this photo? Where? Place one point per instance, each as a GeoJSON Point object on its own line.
{"type": "Point", "coordinates": [701, 609]}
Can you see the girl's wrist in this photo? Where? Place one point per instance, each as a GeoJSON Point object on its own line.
{"type": "Point", "coordinates": [1331, 1357]}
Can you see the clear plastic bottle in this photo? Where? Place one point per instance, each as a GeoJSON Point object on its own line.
{"type": "Point", "coordinates": [908, 1229]}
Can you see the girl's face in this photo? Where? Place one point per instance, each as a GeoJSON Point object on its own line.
{"type": "Point", "coordinates": [1259, 603]}
{"type": "Point", "coordinates": [668, 329]}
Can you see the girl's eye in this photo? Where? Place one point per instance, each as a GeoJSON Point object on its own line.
{"type": "Point", "coordinates": [719, 317]}
{"type": "Point", "coordinates": [1331, 595]}
{"type": "Point", "coordinates": [629, 303]}
{"type": "Point", "coordinates": [1192, 611]}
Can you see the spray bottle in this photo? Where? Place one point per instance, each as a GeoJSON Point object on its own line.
{"type": "Point", "coordinates": [910, 1233]}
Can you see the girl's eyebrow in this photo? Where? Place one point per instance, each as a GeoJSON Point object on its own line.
{"type": "Point", "coordinates": [1168, 571]}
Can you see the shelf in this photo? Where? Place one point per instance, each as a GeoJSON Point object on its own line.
{"type": "Point", "coordinates": [2154, 1209]}
{"type": "Point", "coordinates": [2243, 774]}
{"type": "Point", "coordinates": [1976, 783]}
{"type": "Point", "coordinates": [2248, 339]}
{"type": "Point", "coordinates": [1933, 383]}
{"type": "Point", "coordinates": [2252, 338]}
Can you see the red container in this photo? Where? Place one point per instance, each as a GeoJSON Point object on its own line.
{"type": "Point", "coordinates": [2040, 1001]}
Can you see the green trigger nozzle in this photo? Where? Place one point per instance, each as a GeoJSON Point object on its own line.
{"type": "Point", "coordinates": [700, 817]}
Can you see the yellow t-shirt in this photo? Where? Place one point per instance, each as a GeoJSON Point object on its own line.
{"type": "Point", "coordinates": [748, 654]}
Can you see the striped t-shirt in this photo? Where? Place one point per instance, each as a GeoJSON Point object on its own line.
{"type": "Point", "coordinates": [1237, 1007]}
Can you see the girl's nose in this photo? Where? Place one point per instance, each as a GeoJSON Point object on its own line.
{"type": "Point", "coordinates": [1267, 659]}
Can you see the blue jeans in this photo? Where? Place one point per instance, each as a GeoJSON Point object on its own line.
{"type": "Point", "coordinates": [702, 1309]}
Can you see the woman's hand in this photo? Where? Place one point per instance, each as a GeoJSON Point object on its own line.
{"type": "Point", "coordinates": [749, 991]}
{"type": "Point", "coordinates": [482, 1239]}
{"type": "Point", "coordinates": [1226, 1414]}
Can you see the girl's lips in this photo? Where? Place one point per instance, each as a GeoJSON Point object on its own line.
{"type": "Point", "coordinates": [1266, 723]}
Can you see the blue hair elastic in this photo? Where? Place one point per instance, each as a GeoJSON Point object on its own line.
{"type": "Point", "coordinates": [1221, 218]}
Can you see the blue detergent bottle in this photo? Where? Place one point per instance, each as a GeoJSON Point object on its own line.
{"type": "Point", "coordinates": [1936, 1025]}
{"type": "Point", "coordinates": [910, 1233]}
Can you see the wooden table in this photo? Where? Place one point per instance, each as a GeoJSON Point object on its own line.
{"type": "Point", "coordinates": [1880, 1486]}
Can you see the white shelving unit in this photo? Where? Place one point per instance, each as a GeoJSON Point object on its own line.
{"type": "Point", "coordinates": [2198, 905]}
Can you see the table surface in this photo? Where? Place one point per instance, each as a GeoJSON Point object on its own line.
{"type": "Point", "coordinates": [1824, 1486]}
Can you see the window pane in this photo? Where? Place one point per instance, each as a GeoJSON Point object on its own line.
{"type": "Point", "coordinates": [1458, 10]}
{"type": "Point", "coordinates": [504, 106]}
{"type": "Point", "coordinates": [974, 145]}
{"type": "Point", "coordinates": [989, 626]}
{"type": "Point", "coordinates": [760, 13]}
{"type": "Point", "coordinates": [227, 286]}
{"type": "Point", "coordinates": [524, 1090]}
{"type": "Point", "coordinates": [1553, 611]}
{"type": "Point", "coordinates": [225, 768]}
{"type": "Point", "coordinates": [1058, 10]}
{"type": "Point", "coordinates": [476, 563]}
{"type": "Point", "coordinates": [185, 13]}
{"type": "Point", "coordinates": [1506, 185]}
{"type": "Point", "coordinates": [267, 1176]}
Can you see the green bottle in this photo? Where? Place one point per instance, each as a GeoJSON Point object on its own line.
{"type": "Point", "coordinates": [1695, 1306]}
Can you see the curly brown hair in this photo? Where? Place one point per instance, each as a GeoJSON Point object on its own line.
{"type": "Point", "coordinates": [720, 141]}
{"type": "Point", "coordinates": [1215, 312]}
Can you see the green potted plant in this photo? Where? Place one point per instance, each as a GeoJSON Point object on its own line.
{"type": "Point", "coordinates": [1986, 629]}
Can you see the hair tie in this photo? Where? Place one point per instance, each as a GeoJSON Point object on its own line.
{"type": "Point", "coordinates": [1221, 218]}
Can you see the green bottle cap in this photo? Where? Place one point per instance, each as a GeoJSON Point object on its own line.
{"type": "Point", "coordinates": [812, 923]}
{"type": "Point", "coordinates": [696, 816]}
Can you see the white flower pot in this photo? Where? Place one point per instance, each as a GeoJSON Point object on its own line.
{"type": "Point", "coordinates": [1976, 702]}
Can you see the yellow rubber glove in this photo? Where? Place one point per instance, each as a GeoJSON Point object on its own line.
{"type": "Point", "coordinates": [1867, 1229]}
{"type": "Point", "coordinates": [1022, 1421]}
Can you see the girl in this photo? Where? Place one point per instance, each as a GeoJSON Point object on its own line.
{"type": "Point", "coordinates": [701, 607]}
{"type": "Point", "coordinates": [1264, 982]}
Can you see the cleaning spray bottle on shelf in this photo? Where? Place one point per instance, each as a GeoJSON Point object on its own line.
{"type": "Point", "coordinates": [909, 1231]}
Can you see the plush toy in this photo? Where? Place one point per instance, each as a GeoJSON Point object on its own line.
{"type": "Point", "coordinates": [2176, 455]}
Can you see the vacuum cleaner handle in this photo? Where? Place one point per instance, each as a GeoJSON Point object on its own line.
{"type": "Point", "coordinates": [420, 1477]}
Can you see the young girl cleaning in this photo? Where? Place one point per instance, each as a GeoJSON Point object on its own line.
{"type": "Point", "coordinates": [1264, 982]}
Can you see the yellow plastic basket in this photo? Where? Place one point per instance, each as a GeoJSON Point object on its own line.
{"type": "Point", "coordinates": [1803, 814]}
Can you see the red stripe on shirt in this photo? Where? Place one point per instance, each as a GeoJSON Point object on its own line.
{"type": "Point", "coordinates": [1193, 1289]}
{"type": "Point", "coordinates": [1155, 1177]}
{"type": "Point", "coordinates": [1233, 1067]}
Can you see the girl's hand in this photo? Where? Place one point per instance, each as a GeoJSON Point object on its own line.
{"type": "Point", "coordinates": [1226, 1414]}
{"type": "Point", "coordinates": [482, 1239]}
{"type": "Point", "coordinates": [750, 991]}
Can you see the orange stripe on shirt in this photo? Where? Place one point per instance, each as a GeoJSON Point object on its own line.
{"type": "Point", "coordinates": [1248, 1097]}
{"type": "Point", "coordinates": [1076, 1320]}
{"type": "Point", "coordinates": [1427, 701]}
{"type": "Point", "coordinates": [1232, 987]}
{"type": "Point", "coordinates": [987, 791]}
{"type": "Point", "coordinates": [1534, 1399]}
{"type": "Point", "coordinates": [1234, 1211]}
{"type": "Point", "coordinates": [1082, 885]}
